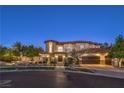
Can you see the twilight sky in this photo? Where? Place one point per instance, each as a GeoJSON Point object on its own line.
{"type": "Point", "coordinates": [35, 24]}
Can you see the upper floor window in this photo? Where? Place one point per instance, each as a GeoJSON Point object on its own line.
{"type": "Point", "coordinates": [68, 49]}
{"type": "Point", "coordinates": [60, 49]}
{"type": "Point", "coordinates": [81, 47]}
{"type": "Point", "coordinates": [50, 47]}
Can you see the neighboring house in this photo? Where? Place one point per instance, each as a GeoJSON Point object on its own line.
{"type": "Point", "coordinates": [91, 52]}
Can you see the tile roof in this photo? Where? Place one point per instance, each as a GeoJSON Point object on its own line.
{"type": "Point", "coordinates": [96, 50]}
{"type": "Point", "coordinates": [72, 42]}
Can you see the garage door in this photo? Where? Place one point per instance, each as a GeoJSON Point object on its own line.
{"type": "Point", "coordinates": [108, 61]}
{"type": "Point", "coordinates": [91, 60]}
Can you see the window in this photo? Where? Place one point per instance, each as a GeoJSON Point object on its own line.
{"type": "Point", "coordinates": [60, 49]}
{"type": "Point", "coordinates": [50, 47]}
{"type": "Point", "coordinates": [81, 47]}
{"type": "Point", "coordinates": [68, 49]}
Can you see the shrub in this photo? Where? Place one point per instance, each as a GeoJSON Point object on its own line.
{"type": "Point", "coordinates": [69, 61]}
{"type": "Point", "coordinates": [9, 58]}
{"type": "Point", "coordinates": [122, 63]}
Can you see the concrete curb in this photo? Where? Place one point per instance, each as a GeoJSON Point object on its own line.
{"type": "Point", "coordinates": [22, 70]}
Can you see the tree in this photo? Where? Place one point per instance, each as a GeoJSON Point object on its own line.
{"type": "Point", "coordinates": [105, 45]}
{"type": "Point", "coordinates": [2, 50]}
{"type": "Point", "coordinates": [31, 51]}
{"type": "Point", "coordinates": [7, 55]}
{"type": "Point", "coordinates": [74, 57]}
{"type": "Point", "coordinates": [117, 50]}
{"type": "Point", "coordinates": [40, 49]}
{"type": "Point", "coordinates": [17, 48]}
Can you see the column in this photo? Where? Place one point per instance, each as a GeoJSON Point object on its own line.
{"type": "Point", "coordinates": [102, 59]}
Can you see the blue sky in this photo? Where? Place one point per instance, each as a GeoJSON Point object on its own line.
{"type": "Point", "coordinates": [35, 24]}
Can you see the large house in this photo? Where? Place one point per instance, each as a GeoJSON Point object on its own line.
{"type": "Point", "coordinates": [90, 52]}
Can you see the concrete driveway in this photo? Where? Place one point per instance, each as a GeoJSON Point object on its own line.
{"type": "Point", "coordinates": [105, 70]}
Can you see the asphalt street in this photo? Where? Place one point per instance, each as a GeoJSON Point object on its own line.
{"type": "Point", "coordinates": [56, 79]}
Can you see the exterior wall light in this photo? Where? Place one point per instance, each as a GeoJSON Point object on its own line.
{"type": "Point", "coordinates": [97, 54]}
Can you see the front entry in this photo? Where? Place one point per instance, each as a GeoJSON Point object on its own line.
{"type": "Point", "coordinates": [60, 58]}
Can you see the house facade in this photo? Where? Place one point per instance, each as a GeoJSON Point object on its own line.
{"type": "Point", "coordinates": [90, 52]}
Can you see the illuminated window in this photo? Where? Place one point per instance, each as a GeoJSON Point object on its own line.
{"type": "Point", "coordinates": [68, 49]}
{"type": "Point", "coordinates": [60, 49]}
{"type": "Point", "coordinates": [50, 47]}
{"type": "Point", "coordinates": [81, 47]}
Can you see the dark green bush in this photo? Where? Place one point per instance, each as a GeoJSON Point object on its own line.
{"type": "Point", "coordinates": [9, 58]}
{"type": "Point", "coordinates": [122, 63]}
